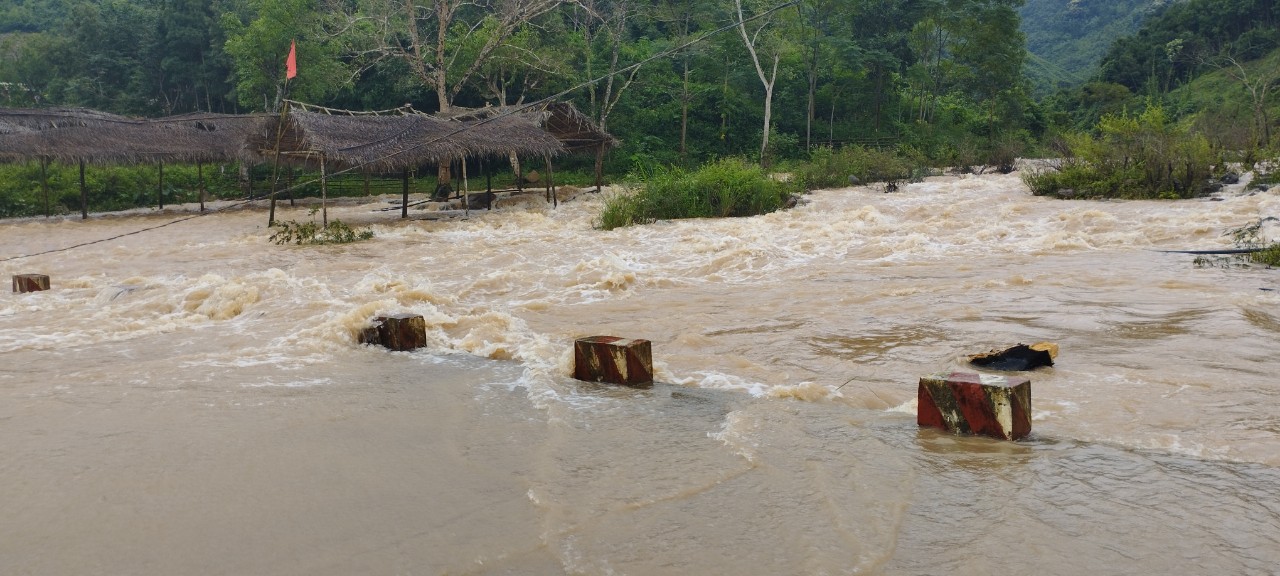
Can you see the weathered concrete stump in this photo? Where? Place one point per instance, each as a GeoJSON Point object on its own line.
{"type": "Point", "coordinates": [613, 360]}
{"type": "Point", "coordinates": [30, 283]}
{"type": "Point", "coordinates": [397, 332]}
{"type": "Point", "coordinates": [982, 404]}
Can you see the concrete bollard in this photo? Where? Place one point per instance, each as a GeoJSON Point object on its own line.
{"type": "Point", "coordinates": [982, 404]}
{"type": "Point", "coordinates": [398, 332]}
{"type": "Point", "coordinates": [613, 360]}
{"type": "Point", "coordinates": [30, 283]}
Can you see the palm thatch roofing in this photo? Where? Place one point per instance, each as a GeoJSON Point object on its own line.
{"type": "Point", "coordinates": [575, 131]}
{"type": "Point", "coordinates": [404, 139]}
{"type": "Point", "coordinates": [77, 135]}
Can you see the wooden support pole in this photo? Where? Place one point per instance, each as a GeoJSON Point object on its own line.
{"type": "Point", "coordinates": [600, 167]}
{"type": "Point", "coordinates": [613, 360]}
{"type": "Point", "coordinates": [23, 283]}
{"type": "Point", "coordinates": [466, 192]}
{"type": "Point", "coordinates": [289, 185]}
{"type": "Point", "coordinates": [519, 170]}
{"type": "Point", "coordinates": [366, 182]}
{"type": "Point", "coordinates": [84, 195]}
{"type": "Point", "coordinates": [160, 188]}
{"type": "Point", "coordinates": [404, 193]}
{"type": "Point", "coordinates": [200, 176]}
{"type": "Point", "coordinates": [488, 185]}
{"type": "Point", "coordinates": [551, 184]}
{"type": "Point", "coordinates": [324, 195]}
{"type": "Point", "coordinates": [44, 183]}
{"type": "Point", "coordinates": [982, 404]}
{"type": "Point", "coordinates": [275, 170]}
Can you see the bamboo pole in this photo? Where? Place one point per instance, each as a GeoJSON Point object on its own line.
{"type": "Point", "coordinates": [44, 183]}
{"type": "Point", "coordinates": [275, 170]}
{"type": "Point", "coordinates": [551, 185]}
{"type": "Point", "coordinates": [160, 187]}
{"type": "Point", "coordinates": [324, 194]}
{"type": "Point", "coordinates": [404, 191]}
{"type": "Point", "coordinates": [200, 176]}
{"type": "Point", "coordinates": [466, 192]}
{"type": "Point", "coordinates": [600, 167]}
{"type": "Point", "coordinates": [487, 168]}
{"type": "Point", "coordinates": [84, 195]}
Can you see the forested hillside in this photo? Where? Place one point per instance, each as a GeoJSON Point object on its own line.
{"type": "Point", "coordinates": [678, 81]}
{"type": "Point", "coordinates": [941, 77]}
{"type": "Point", "coordinates": [1067, 38]}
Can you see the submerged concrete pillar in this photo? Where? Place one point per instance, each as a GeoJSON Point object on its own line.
{"type": "Point", "coordinates": [613, 360]}
{"type": "Point", "coordinates": [397, 332]}
{"type": "Point", "coordinates": [30, 283]}
{"type": "Point", "coordinates": [982, 404]}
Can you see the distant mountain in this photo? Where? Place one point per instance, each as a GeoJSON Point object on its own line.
{"type": "Point", "coordinates": [1067, 38]}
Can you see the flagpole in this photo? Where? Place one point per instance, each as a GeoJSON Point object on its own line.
{"type": "Point", "coordinates": [290, 70]}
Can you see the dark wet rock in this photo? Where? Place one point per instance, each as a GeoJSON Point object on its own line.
{"type": "Point", "coordinates": [1230, 178]}
{"type": "Point", "coordinates": [1017, 358]}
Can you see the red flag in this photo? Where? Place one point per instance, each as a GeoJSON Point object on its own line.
{"type": "Point", "coordinates": [291, 63]}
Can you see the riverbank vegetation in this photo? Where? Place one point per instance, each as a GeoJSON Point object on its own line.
{"type": "Point", "coordinates": [729, 187]}
{"type": "Point", "coordinates": [822, 89]}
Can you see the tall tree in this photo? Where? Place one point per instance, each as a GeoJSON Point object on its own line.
{"type": "Point", "coordinates": [765, 45]}
{"type": "Point", "coordinates": [443, 43]}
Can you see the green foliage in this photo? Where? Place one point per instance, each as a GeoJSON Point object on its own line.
{"type": "Point", "coordinates": [109, 187]}
{"type": "Point", "coordinates": [337, 232]}
{"type": "Point", "coordinates": [729, 187]}
{"type": "Point", "coordinates": [1247, 237]}
{"type": "Point", "coordinates": [1170, 47]}
{"type": "Point", "coordinates": [1143, 156]}
{"type": "Point", "coordinates": [1067, 39]}
{"type": "Point", "coordinates": [829, 168]}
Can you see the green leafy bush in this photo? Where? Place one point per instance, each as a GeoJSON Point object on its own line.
{"type": "Point", "coordinates": [1248, 237]}
{"type": "Point", "coordinates": [337, 232]}
{"type": "Point", "coordinates": [828, 168]}
{"type": "Point", "coordinates": [729, 187]}
{"type": "Point", "coordinates": [1143, 156]}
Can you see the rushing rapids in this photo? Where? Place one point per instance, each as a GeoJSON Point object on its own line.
{"type": "Point", "coordinates": [192, 399]}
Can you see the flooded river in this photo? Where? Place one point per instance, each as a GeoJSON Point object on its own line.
{"type": "Point", "coordinates": [192, 400]}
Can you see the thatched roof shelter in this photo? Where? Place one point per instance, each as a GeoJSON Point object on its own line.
{"type": "Point", "coordinates": [403, 140]}
{"type": "Point", "coordinates": [575, 131]}
{"type": "Point", "coordinates": [73, 135]}
{"type": "Point", "coordinates": [51, 118]}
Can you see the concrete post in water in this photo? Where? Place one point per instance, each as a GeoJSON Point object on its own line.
{"type": "Point", "coordinates": [982, 404]}
{"type": "Point", "coordinates": [23, 283]}
{"type": "Point", "coordinates": [613, 360]}
{"type": "Point", "coordinates": [398, 332]}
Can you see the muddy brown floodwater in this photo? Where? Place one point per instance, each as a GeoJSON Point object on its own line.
{"type": "Point", "coordinates": [192, 400]}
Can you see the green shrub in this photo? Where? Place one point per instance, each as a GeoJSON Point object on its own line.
{"type": "Point", "coordinates": [730, 187]}
{"type": "Point", "coordinates": [337, 232]}
{"type": "Point", "coordinates": [1143, 156]}
{"type": "Point", "coordinates": [1248, 237]}
{"type": "Point", "coordinates": [829, 168]}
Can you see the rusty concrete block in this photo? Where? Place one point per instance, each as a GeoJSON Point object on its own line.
{"type": "Point", "coordinates": [982, 404]}
{"type": "Point", "coordinates": [399, 332]}
{"type": "Point", "coordinates": [613, 360]}
{"type": "Point", "coordinates": [30, 283]}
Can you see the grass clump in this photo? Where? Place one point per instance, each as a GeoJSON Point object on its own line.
{"type": "Point", "coordinates": [729, 187]}
{"type": "Point", "coordinates": [1248, 237]}
{"type": "Point", "coordinates": [337, 232]}
{"type": "Point", "coordinates": [1143, 156]}
{"type": "Point", "coordinates": [829, 168]}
